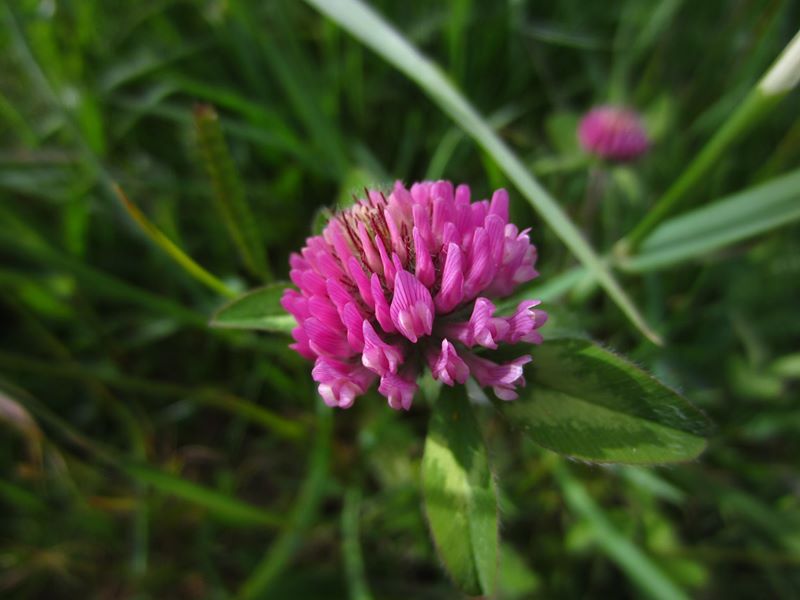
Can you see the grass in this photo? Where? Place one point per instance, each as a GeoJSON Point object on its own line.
{"type": "Point", "coordinates": [146, 455]}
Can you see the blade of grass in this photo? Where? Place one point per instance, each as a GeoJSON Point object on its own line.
{"type": "Point", "coordinates": [292, 70]}
{"type": "Point", "coordinates": [230, 509]}
{"type": "Point", "coordinates": [369, 28]}
{"type": "Point", "coordinates": [720, 224]}
{"type": "Point", "coordinates": [453, 137]}
{"type": "Point", "coordinates": [153, 104]}
{"type": "Point", "coordinates": [203, 396]}
{"type": "Point", "coordinates": [104, 284]}
{"type": "Point", "coordinates": [351, 546]}
{"type": "Point", "coordinates": [779, 80]}
{"type": "Point", "coordinates": [224, 506]}
{"type": "Point", "coordinates": [121, 411]}
{"type": "Point", "coordinates": [283, 549]}
{"type": "Point", "coordinates": [21, 498]}
{"type": "Point", "coordinates": [162, 241]}
{"type": "Point", "coordinates": [637, 565]}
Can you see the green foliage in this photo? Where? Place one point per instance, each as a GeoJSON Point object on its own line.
{"type": "Point", "coordinates": [460, 495]}
{"type": "Point", "coordinates": [588, 403]}
{"type": "Point", "coordinates": [367, 26]}
{"type": "Point", "coordinates": [260, 309]}
{"type": "Point", "coordinates": [148, 455]}
{"type": "Point", "coordinates": [721, 223]}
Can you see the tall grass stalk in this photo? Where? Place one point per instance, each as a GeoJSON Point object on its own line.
{"type": "Point", "coordinates": [778, 81]}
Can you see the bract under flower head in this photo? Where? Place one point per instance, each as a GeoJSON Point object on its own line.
{"type": "Point", "coordinates": [400, 281]}
{"type": "Point", "coordinates": [614, 133]}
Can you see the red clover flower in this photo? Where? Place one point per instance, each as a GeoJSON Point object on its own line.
{"type": "Point", "coordinates": [394, 283]}
{"type": "Point", "coordinates": [613, 133]}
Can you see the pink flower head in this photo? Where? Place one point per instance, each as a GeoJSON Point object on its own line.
{"type": "Point", "coordinates": [614, 133]}
{"type": "Point", "coordinates": [400, 281]}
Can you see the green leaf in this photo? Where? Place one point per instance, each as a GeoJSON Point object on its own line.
{"type": "Point", "coordinates": [460, 495]}
{"type": "Point", "coordinates": [591, 404]}
{"type": "Point", "coordinates": [371, 30]}
{"type": "Point", "coordinates": [260, 309]}
{"type": "Point", "coordinates": [724, 222]}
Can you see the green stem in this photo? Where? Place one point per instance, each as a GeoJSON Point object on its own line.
{"type": "Point", "coordinates": [638, 566]}
{"type": "Point", "coordinates": [776, 83]}
{"type": "Point", "coordinates": [283, 549]}
{"type": "Point", "coordinates": [747, 116]}
{"type": "Point", "coordinates": [173, 250]}
{"type": "Point", "coordinates": [351, 547]}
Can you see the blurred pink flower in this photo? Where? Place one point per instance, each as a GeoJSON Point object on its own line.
{"type": "Point", "coordinates": [614, 133]}
{"type": "Point", "coordinates": [394, 283]}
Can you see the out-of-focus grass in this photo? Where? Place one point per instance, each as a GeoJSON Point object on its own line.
{"type": "Point", "coordinates": [109, 335]}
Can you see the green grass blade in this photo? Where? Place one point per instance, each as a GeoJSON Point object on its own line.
{"type": "Point", "coordinates": [225, 507]}
{"type": "Point", "coordinates": [229, 197]}
{"type": "Point", "coordinates": [369, 28]}
{"type": "Point", "coordinates": [305, 509]}
{"type": "Point", "coordinates": [759, 103]}
{"type": "Point", "coordinates": [292, 70]}
{"type": "Point", "coordinates": [103, 284]}
{"type": "Point", "coordinates": [167, 245]}
{"type": "Point", "coordinates": [202, 396]}
{"type": "Point", "coordinates": [351, 546]}
{"type": "Point", "coordinates": [720, 224]}
{"type": "Point", "coordinates": [637, 565]}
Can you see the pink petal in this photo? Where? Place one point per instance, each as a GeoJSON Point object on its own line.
{"type": "Point", "coordinates": [423, 224]}
{"type": "Point", "coordinates": [503, 378]}
{"type": "Point", "coordinates": [499, 204]}
{"type": "Point", "coordinates": [523, 324]}
{"type": "Point", "coordinates": [398, 243]}
{"type": "Point", "coordinates": [352, 319]}
{"type": "Point", "coordinates": [446, 366]}
{"type": "Point", "coordinates": [301, 343]}
{"type": "Point", "coordinates": [412, 307]}
{"type": "Point", "coordinates": [339, 296]}
{"type": "Point", "coordinates": [325, 340]}
{"type": "Point", "coordinates": [480, 268]}
{"type": "Point", "coordinates": [382, 311]}
{"type": "Point", "coordinates": [388, 267]}
{"type": "Point", "coordinates": [370, 254]}
{"type": "Point", "coordinates": [362, 282]}
{"type": "Point", "coordinates": [312, 283]}
{"type": "Point", "coordinates": [398, 390]}
{"type": "Point", "coordinates": [322, 309]}
{"type": "Point", "coordinates": [452, 291]}
{"type": "Point", "coordinates": [340, 383]}
{"type": "Point", "coordinates": [378, 356]}
{"type": "Point", "coordinates": [296, 304]}
{"type": "Point", "coordinates": [424, 268]}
